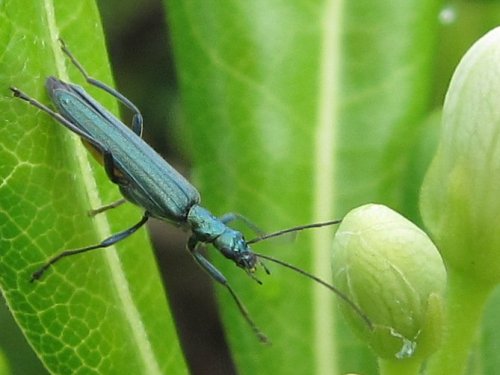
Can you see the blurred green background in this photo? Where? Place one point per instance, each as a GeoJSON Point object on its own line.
{"type": "Point", "coordinates": [137, 32]}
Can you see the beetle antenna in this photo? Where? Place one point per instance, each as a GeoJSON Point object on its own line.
{"type": "Point", "coordinates": [293, 229]}
{"type": "Point", "coordinates": [335, 290]}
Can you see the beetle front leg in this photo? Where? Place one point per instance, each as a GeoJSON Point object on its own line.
{"type": "Point", "coordinates": [193, 247]}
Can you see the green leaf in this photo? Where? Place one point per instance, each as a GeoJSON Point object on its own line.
{"type": "Point", "coordinates": [298, 112]}
{"type": "Point", "coordinates": [102, 312]}
{"type": "Point", "coordinates": [4, 365]}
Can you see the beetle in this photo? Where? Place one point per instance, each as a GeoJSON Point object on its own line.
{"type": "Point", "coordinates": [148, 181]}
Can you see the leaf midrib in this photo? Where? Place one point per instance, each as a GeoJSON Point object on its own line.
{"type": "Point", "coordinates": [117, 277]}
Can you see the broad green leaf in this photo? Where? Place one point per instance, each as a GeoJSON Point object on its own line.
{"type": "Point", "coordinates": [299, 111]}
{"type": "Point", "coordinates": [4, 366]}
{"type": "Point", "coordinates": [103, 312]}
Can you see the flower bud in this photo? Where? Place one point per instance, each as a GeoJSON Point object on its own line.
{"type": "Point", "coordinates": [460, 200]}
{"type": "Point", "coordinates": [393, 272]}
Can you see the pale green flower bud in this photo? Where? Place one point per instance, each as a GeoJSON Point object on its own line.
{"type": "Point", "coordinates": [393, 272]}
{"type": "Point", "coordinates": [460, 200]}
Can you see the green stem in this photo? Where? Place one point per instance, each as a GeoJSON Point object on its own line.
{"type": "Point", "coordinates": [408, 366]}
{"type": "Point", "coordinates": [466, 299]}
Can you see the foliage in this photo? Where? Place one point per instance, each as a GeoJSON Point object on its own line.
{"type": "Point", "coordinates": [293, 112]}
